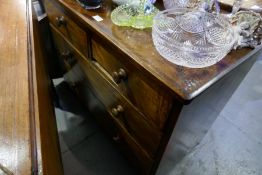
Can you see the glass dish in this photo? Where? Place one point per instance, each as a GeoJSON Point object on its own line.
{"type": "Point", "coordinates": [122, 2]}
{"type": "Point", "coordinates": [180, 3]}
{"type": "Point", "coordinates": [192, 38]}
{"type": "Point", "coordinates": [133, 15]}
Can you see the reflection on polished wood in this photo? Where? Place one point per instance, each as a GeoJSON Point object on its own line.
{"type": "Point", "coordinates": [14, 87]}
{"type": "Point", "coordinates": [27, 126]}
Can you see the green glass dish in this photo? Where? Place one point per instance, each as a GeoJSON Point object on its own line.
{"type": "Point", "coordinates": [131, 15]}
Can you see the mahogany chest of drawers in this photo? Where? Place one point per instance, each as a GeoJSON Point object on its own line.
{"type": "Point", "coordinates": [141, 93]}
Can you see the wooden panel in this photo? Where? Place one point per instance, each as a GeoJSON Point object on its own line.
{"type": "Point", "coordinates": [149, 98]}
{"type": "Point", "coordinates": [65, 53]}
{"type": "Point", "coordinates": [111, 98]}
{"type": "Point", "coordinates": [121, 137]}
{"type": "Point", "coordinates": [15, 140]}
{"type": "Point", "coordinates": [129, 134]}
{"type": "Point", "coordinates": [65, 25]}
{"type": "Point", "coordinates": [46, 129]}
{"type": "Point", "coordinates": [136, 135]}
{"type": "Point", "coordinates": [138, 157]}
{"type": "Point", "coordinates": [131, 119]}
{"type": "Point", "coordinates": [23, 82]}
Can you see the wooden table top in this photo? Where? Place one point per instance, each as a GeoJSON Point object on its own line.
{"type": "Point", "coordinates": [17, 109]}
{"type": "Point", "coordinates": [187, 83]}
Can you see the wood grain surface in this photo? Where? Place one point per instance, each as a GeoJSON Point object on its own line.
{"type": "Point", "coordinates": [44, 134]}
{"type": "Point", "coordinates": [15, 154]}
{"type": "Point", "coordinates": [28, 144]}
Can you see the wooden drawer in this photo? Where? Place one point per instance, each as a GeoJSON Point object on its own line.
{"type": "Point", "coordinates": [64, 51]}
{"type": "Point", "coordinates": [67, 57]}
{"type": "Point", "coordinates": [134, 151]}
{"type": "Point", "coordinates": [148, 97]}
{"type": "Point", "coordinates": [67, 27]}
{"type": "Point", "coordinates": [123, 113]}
{"type": "Point", "coordinates": [130, 120]}
{"type": "Point", "coordinates": [120, 136]}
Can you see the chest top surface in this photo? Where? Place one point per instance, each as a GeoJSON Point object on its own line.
{"type": "Point", "coordinates": [138, 46]}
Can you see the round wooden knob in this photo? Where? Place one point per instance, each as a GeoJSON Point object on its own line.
{"type": "Point", "coordinates": [69, 59]}
{"type": "Point", "coordinates": [117, 111]}
{"type": "Point", "coordinates": [67, 55]}
{"type": "Point", "coordinates": [60, 21]}
{"type": "Point", "coordinates": [119, 76]}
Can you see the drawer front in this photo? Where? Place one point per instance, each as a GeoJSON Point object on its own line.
{"type": "Point", "coordinates": [120, 136]}
{"type": "Point", "coordinates": [138, 156]}
{"type": "Point", "coordinates": [115, 128]}
{"type": "Point", "coordinates": [122, 112]}
{"type": "Point", "coordinates": [148, 97]}
{"type": "Point", "coordinates": [67, 57]}
{"type": "Point", "coordinates": [67, 27]}
{"type": "Point", "coordinates": [65, 53]}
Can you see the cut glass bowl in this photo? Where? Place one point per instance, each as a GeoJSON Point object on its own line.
{"type": "Point", "coordinates": [122, 2]}
{"type": "Point", "coordinates": [180, 3]}
{"type": "Point", "coordinates": [192, 38]}
{"type": "Point", "coordinates": [132, 15]}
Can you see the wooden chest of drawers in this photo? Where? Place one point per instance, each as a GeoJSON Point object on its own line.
{"type": "Point", "coordinates": [145, 95]}
{"type": "Point", "coordinates": [141, 136]}
{"type": "Point", "coordinates": [141, 93]}
{"type": "Point", "coordinates": [137, 107]}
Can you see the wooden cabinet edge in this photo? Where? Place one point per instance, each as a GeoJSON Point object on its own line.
{"type": "Point", "coordinates": [44, 136]}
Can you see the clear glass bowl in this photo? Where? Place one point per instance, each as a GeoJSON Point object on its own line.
{"type": "Point", "coordinates": [122, 2]}
{"type": "Point", "coordinates": [192, 38]}
{"type": "Point", "coordinates": [180, 3]}
{"type": "Point", "coordinates": [132, 15]}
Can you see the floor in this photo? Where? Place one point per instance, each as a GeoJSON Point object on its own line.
{"type": "Point", "coordinates": [232, 146]}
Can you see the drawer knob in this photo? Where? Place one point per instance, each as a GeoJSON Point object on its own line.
{"type": "Point", "coordinates": [67, 55]}
{"type": "Point", "coordinates": [69, 58]}
{"type": "Point", "coordinates": [117, 111]}
{"type": "Point", "coordinates": [120, 75]}
{"type": "Point", "coordinates": [60, 21]}
{"type": "Point", "coordinates": [116, 138]}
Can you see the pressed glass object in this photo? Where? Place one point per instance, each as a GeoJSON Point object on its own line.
{"type": "Point", "coordinates": [133, 15]}
{"type": "Point", "coordinates": [236, 6]}
{"type": "Point", "coordinates": [180, 3]}
{"type": "Point", "coordinates": [192, 38]}
{"type": "Point", "coordinates": [122, 2]}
